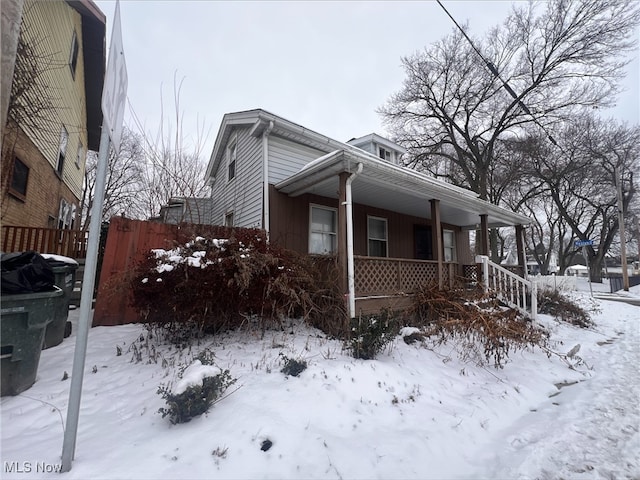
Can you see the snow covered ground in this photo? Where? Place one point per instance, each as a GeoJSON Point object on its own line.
{"type": "Point", "coordinates": [411, 413]}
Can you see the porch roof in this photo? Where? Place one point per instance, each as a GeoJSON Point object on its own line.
{"type": "Point", "coordinates": [387, 186]}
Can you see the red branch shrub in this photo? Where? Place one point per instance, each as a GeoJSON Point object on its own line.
{"type": "Point", "coordinates": [218, 283]}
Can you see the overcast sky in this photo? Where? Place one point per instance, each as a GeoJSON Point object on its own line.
{"type": "Point", "coordinates": [325, 65]}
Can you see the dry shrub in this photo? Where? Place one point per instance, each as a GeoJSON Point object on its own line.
{"type": "Point", "coordinates": [486, 330]}
{"type": "Point", "coordinates": [206, 285]}
{"type": "Point", "coordinates": [554, 303]}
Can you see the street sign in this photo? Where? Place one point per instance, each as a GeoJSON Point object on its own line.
{"type": "Point", "coordinates": [583, 243]}
{"type": "Point", "coordinates": [114, 96]}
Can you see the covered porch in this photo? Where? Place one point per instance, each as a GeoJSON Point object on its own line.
{"type": "Point", "coordinates": [360, 184]}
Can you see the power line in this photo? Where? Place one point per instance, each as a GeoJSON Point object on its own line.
{"type": "Point", "coordinates": [492, 68]}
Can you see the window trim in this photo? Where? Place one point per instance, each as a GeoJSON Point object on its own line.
{"type": "Point", "coordinates": [370, 238]}
{"type": "Point", "coordinates": [62, 149]}
{"type": "Point", "coordinates": [386, 151]}
{"type": "Point", "coordinates": [80, 155]}
{"type": "Point", "coordinates": [226, 217]}
{"type": "Point", "coordinates": [452, 247]}
{"type": "Point", "coordinates": [73, 54]}
{"type": "Point", "coordinates": [335, 227]}
{"type": "Point", "coordinates": [232, 145]}
{"type": "Point", "coordinates": [13, 191]}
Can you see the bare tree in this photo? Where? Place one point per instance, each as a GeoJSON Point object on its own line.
{"type": "Point", "coordinates": [454, 108]}
{"type": "Point", "coordinates": [580, 179]}
{"type": "Point", "coordinates": [174, 164]}
{"type": "Point", "coordinates": [123, 183]}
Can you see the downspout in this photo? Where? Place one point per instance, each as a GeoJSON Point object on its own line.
{"type": "Point", "coordinates": [351, 283]}
{"type": "Point", "coordinates": [265, 177]}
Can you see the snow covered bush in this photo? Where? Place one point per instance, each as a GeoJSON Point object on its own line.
{"type": "Point", "coordinates": [198, 389]}
{"type": "Point", "coordinates": [371, 333]}
{"type": "Point", "coordinates": [209, 284]}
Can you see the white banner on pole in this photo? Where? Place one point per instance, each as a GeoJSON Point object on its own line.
{"type": "Point", "coordinates": [114, 93]}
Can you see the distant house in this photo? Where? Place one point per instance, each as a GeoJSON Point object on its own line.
{"type": "Point", "coordinates": [389, 228]}
{"type": "Point", "coordinates": [53, 114]}
{"type": "Point", "coordinates": [185, 209]}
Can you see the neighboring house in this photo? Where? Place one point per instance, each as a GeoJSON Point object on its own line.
{"type": "Point", "coordinates": [54, 113]}
{"type": "Point", "coordinates": [390, 228]}
{"type": "Point", "coordinates": [187, 210]}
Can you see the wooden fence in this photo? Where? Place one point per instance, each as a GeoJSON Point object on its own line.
{"type": "Point", "coordinates": [69, 243]}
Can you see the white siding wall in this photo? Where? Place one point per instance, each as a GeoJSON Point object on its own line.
{"type": "Point", "coordinates": [242, 195]}
{"type": "Point", "coordinates": [287, 158]}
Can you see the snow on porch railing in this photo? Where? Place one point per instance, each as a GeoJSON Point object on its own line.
{"type": "Point", "coordinates": [510, 288]}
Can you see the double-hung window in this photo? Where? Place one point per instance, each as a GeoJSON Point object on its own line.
{"type": "Point", "coordinates": [384, 154]}
{"type": "Point", "coordinates": [323, 230]}
{"type": "Point", "coordinates": [449, 243]}
{"type": "Point", "coordinates": [378, 236]}
{"type": "Point", "coordinates": [232, 153]}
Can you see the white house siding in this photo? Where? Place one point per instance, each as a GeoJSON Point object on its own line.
{"type": "Point", "coordinates": [243, 195]}
{"type": "Point", "coordinates": [287, 157]}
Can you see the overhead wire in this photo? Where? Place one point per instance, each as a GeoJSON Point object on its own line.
{"type": "Point", "coordinates": [492, 68]}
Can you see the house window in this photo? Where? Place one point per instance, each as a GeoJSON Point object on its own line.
{"type": "Point", "coordinates": [62, 152]}
{"type": "Point", "coordinates": [377, 234]}
{"type": "Point", "coordinates": [80, 157]}
{"type": "Point", "coordinates": [231, 161]}
{"type": "Point", "coordinates": [64, 215]}
{"type": "Point", "coordinates": [19, 179]}
{"type": "Point", "coordinates": [228, 219]}
{"type": "Point", "coordinates": [73, 56]}
{"type": "Point", "coordinates": [384, 154]}
{"type": "Point", "coordinates": [323, 230]}
{"type": "Point", "coordinates": [449, 243]}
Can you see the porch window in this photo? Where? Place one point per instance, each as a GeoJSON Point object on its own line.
{"type": "Point", "coordinates": [323, 230]}
{"type": "Point", "coordinates": [449, 243]}
{"type": "Point", "coordinates": [377, 234]}
{"type": "Point", "coordinates": [231, 161]}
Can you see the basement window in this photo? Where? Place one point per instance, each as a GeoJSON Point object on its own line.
{"type": "Point", "coordinates": [19, 179]}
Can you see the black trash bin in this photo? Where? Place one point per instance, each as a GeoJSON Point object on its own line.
{"type": "Point", "coordinates": [23, 320]}
{"type": "Point", "coordinates": [64, 271]}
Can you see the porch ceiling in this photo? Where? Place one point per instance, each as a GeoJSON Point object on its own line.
{"type": "Point", "coordinates": [387, 186]}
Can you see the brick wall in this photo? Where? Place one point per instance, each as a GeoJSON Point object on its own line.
{"type": "Point", "coordinates": [45, 188]}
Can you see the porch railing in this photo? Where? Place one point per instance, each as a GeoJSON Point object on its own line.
{"type": "Point", "coordinates": [388, 276]}
{"type": "Point", "coordinates": [511, 288]}
{"type": "Point", "coordinates": [70, 243]}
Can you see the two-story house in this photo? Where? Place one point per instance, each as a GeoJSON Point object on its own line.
{"type": "Point", "coordinates": [390, 228]}
{"type": "Point", "coordinates": [54, 114]}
